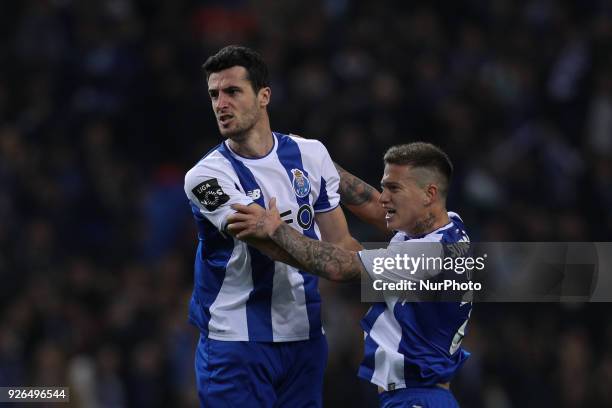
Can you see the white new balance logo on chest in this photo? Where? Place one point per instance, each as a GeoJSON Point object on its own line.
{"type": "Point", "coordinates": [254, 194]}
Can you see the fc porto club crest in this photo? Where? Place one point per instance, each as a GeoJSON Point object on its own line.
{"type": "Point", "coordinates": [300, 182]}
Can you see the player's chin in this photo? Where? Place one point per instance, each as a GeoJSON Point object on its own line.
{"type": "Point", "coordinates": [225, 131]}
{"type": "Point", "coordinates": [226, 127]}
{"type": "Point", "coordinates": [232, 133]}
{"type": "Point", "coordinates": [392, 223]}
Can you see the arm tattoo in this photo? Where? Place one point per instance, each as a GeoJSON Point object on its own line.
{"type": "Point", "coordinates": [320, 258]}
{"type": "Point", "coordinates": [353, 191]}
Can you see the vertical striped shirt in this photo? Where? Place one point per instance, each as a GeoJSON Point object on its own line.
{"type": "Point", "coordinates": [411, 344]}
{"type": "Point", "coordinates": [239, 293]}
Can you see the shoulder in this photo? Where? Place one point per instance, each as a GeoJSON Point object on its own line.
{"type": "Point", "coordinates": [457, 221]}
{"type": "Point", "coordinates": [304, 144]}
{"type": "Point", "coordinates": [211, 165]}
{"type": "Point", "coordinates": [456, 232]}
{"type": "Point", "coordinates": [212, 159]}
{"type": "Point", "coordinates": [454, 217]}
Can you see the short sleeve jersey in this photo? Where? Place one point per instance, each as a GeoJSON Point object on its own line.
{"type": "Point", "coordinates": [412, 344]}
{"type": "Point", "coordinates": [239, 293]}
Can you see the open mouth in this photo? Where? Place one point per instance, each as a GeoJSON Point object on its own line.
{"type": "Point", "coordinates": [390, 213]}
{"type": "Point", "coordinates": [224, 119]}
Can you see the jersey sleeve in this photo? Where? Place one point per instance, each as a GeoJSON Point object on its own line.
{"type": "Point", "coordinates": [210, 187]}
{"type": "Point", "coordinates": [409, 260]}
{"type": "Point", "coordinates": [328, 198]}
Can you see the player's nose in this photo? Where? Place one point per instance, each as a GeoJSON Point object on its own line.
{"type": "Point", "coordinates": [384, 197]}
{"type": "Point", "coordinates": [222, 103]}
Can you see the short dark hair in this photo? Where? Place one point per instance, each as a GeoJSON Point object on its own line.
{"type": "Point", "coordinates": [424, 155]}
{"type": "Point", "coordinates": [237, 55]}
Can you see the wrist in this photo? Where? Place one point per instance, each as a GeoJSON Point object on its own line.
{"type": "Point", "coordinates": [275, 230]}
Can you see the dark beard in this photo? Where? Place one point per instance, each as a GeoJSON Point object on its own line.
{"type": "Point", "coordinates": [239, 135]}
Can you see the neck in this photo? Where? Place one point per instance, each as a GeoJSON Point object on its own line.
{"type": "Point", "coordinates": [432, 220]}
{"type": "Point", "coordinates": [256, 142]}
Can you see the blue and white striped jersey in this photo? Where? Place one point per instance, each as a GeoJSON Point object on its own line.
{"type": "Point", "coordinates": [409, 344]}
{"type": "Point", "coordinates": [239, 293]}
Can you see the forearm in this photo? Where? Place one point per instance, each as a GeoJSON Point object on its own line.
{"type": "Point", "coordinates": [273, 251]}
{"type": "Point", "coordinates": [350, 244]}
{"type": "Point", "coordinates": [361, 199]}
{"type": "Point", "coordinates": [268, 247]}
{"type": "Point", "coordinates": [317, 257]}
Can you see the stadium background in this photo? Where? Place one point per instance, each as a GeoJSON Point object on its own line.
{"type": "Point", "coordinates": [103, 107]}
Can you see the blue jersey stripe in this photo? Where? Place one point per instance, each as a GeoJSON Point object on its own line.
{"type": "Point", "coordinates": [259, 305]}
{"type": "Point", "coordinates": [427, 362]}
{"type": "Point", "coordinates": [322, 202]}
{"type": "Point", "coordinates": [368, 321]}
{"type": "Point", "coordinates": [366, 370]}
{"type": "Point", "coordinates": [209, 269]}
{"type": "Point", "coordinates": [290, 157]}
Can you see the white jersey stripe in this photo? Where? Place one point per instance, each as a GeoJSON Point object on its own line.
{"type": "Point", "coordinates": [228, 311]}
{"type": "Point", "coordinates": [288, 304]}
{"type": "Point", "coordinates": [388, 362]}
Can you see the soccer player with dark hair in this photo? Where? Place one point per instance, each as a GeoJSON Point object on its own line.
{"type": "Point", "coordinates": [412, 349]}
{"type": "Point", "coordinates": [261, 342]}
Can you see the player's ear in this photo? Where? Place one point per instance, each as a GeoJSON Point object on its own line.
{"type": "Point", "coordinates": [431, 193]}
{"type": "Point", "coordinates": [264, 95]}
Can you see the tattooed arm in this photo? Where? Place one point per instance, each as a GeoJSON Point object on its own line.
{"type": "Point", "coordinates": [361, 199]}
{"type": "Point", "coordinates": [320, 258]}
{"type": "Point", "coordinates": [265, 245]}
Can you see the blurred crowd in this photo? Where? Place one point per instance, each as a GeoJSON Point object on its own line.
{"type": "Point", "coordinates": [103, 108]}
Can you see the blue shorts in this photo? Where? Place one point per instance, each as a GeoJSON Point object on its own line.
{"type": "Point", "coordinates": [260, 374]}
{"type": "Point", "coordinates": [418, 397]}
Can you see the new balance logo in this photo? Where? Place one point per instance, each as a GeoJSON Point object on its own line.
{"type": "Point", "coordinates": [254, 194]}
